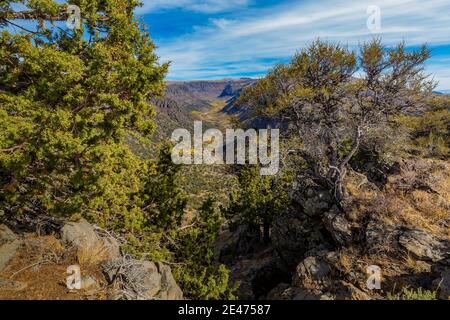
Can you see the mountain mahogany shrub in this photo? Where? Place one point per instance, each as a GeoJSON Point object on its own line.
{"type": "Point", "coordinates": [336, 99]}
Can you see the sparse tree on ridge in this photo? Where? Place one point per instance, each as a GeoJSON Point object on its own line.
{"type": "Point", "coordinates": [335, 99]}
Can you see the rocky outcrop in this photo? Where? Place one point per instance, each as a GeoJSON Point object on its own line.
{"type": "Point", "coordinates": [80, 234]}
{"type": "Point", "coordinates": [227, 91]}
{"type": "Point", "coordinates": [9, 244]}
{"type": "Point", "coordinates": [423, 245]}
{"type": "Point", "coordinates": [169, 288]}
{"type": "Point", "coordinates": [142, 280]}
{"type": "Point", "coordinates": [123, 276]}
{"type": "Point", "coordinates": [83, 236]}
{"type": "Point", "coordinates": [338, 226]}
{"type": "Point", "coordinates": [311, 269]}
{"type": "Point", "coordinates": [442, 281]}
{"type": "Point", "coordinates": [6, 235]}
{"type": "Point", "coordinates": [293, 235]}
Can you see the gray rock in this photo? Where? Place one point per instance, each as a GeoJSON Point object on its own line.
{"type": "Point", "coordinates": [338, 226]}
{"type": "Point", "coordinates": [88, 282]}
{"type": "Point", "coordinates": [293, 236]}
{"type": "Point", "coordinates": [346, 291]}
{"type": "Point", "coordinates": [306, 294]}
{"type": "Point", "coordinates": [312, 268]}
{"type": "Point", "coordinates": [80, 234]}
{"type": "Point", "coordinates": [169, 288]}
{"type": "Point", "coordinates": [443, 285]}
{"type": "Point", "coordinates": [6, 235]}
{"type": "Point", "coordinates": [11, 285]}
{"type": "Point", "coordinates": [142, 280]}
{"type": "Point", "coordinates": [7, 252]}
{"type": "Point", "coordinates": [381, 237]}
{"type": "Point", "coordinates": [111, 248]}
{"type": "Point", "coordinates": [422, 245]}
{"type": "Point", "coordinates": [83, 237]}
{"type": "Point", "coordinates": [316, 202]}
{"type": "Point", "coordinates": [152, 279]}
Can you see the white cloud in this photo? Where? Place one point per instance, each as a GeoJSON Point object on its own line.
{"type": "Point", "coordinates": [258, 35]}
{"type": "Point", "coordinates": [205, 6]}
{"type": "Point", "coordinates": [221, 23]}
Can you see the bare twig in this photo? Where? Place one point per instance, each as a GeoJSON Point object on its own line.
{"type": "Point", "coordinates": [28, 267]}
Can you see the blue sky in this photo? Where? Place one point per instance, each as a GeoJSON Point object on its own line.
{"type": "Point", "coordinates": [213, 39]}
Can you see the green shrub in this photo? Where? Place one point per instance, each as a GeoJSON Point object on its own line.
{"type": "Point", "coordinates": [414, 294]}
{"type": "Point", "coordinates": [258, 201]}
{"type": "Point", "coordinates": [199, 275]}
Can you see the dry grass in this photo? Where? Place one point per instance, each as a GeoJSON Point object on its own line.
{"type": "Point", "coordinates": [92, 256]}
{"type": "Point", "coordinates": [38, 272]}
{"type": "Point", "coordinates": [419, 196]}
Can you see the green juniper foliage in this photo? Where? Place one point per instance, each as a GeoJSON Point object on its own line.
{"type": "Point", "coordinates": [200, 277]}
{"type": "Point", "coordinates": [258, 201]}
{"type": "Point", "coordinates": [68, 100]}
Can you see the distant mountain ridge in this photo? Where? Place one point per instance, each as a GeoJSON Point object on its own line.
{"type": "Point", "coordinates": [185, 98]}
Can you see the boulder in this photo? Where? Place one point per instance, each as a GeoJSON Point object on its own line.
{"type": "Point", "coordinates": [293, 236]}
{"type": "Point", "coordinates": [6, 235]}
{"type": "Point", "coordinates": [80, 234]}
{"type": "Point", "coordinates": [142, 280]}
{"type": "Point", "coordinates": [316, 202]}
{"type": "Point", "coordinates": [306, 294]}
{"type": "Point", "coordinates": [152, 280]}
{"type": "Point", "coordinates": [7, 252]}
{"type": "Point", "coordinates": [111, 248]}
{"type": "Point", "coordinates": [84, 238]}
{"type": "Point", "coordinates": [346, 291]}
{"type": "Point", "coordinates": [313, 269]}
{"type": "Point", "coordinates": [338, 226]}
{"type": "Point", "coordinates": [422, 245]}
{"type": "Point", "coordinates": [9, 244]}
{"type": "Point", "coordinates": [443, 285]}
{"type": "Point", "coordinates": [11, 285]}
{"type": "Point", "coordinates": [381, 237]}
{"type": "Point", "coordinates": [169, 288]}
{"type": "Point", "coordinates": [88, 283]}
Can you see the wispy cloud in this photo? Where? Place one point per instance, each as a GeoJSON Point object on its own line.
{"type": "Point", "coordinates": [205, 6]}
{"type": "Point", "coordinates": [252, 40]}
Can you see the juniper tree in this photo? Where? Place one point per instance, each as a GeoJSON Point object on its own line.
{"type": "Point", "coordinates": [258, 201]}
{"type": "Point", "coordinates": [200, 275]}
{"type": "Point", "coordinates": [68, 99]}
{"type": "Point", "coordinates": [72, 105]}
